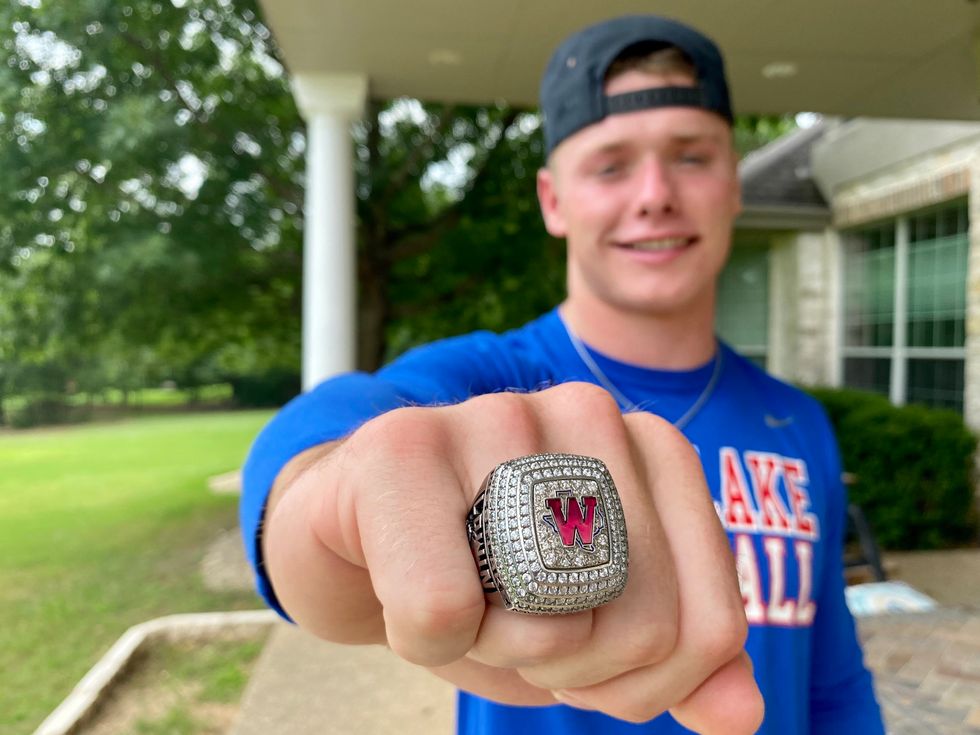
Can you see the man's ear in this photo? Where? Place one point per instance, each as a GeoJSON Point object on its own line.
{"type": "Point", "coordinates": [554, 223]}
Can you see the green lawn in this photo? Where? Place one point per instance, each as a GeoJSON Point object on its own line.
{"type": "Point", "coordinates": [102, 527]}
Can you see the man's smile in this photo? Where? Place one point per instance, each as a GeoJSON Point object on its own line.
{"type": "Point", "coordinates": [659, 244]}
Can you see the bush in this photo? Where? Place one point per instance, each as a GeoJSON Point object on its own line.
{"type": "Point", "coordinates": [914, 468]}
{"type": "Point", "coordinates": [269, 389]}
{"type": "Point", "coordinates": [45, 410]}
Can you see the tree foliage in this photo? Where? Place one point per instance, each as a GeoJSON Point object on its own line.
{"type": "Point", "coordinates": [450, 234]}
{"type": "Point", "coordinates": [151, 193]}
{"type": "Point", "coordinates": [151, 163]}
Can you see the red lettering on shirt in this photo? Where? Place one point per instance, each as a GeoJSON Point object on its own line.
{"type": "Point", "coordinates": [748, 579]}
{"type": "Point", "coordinates": [764, 469]}
{"type": "Point", "coordinates": [737, 509]}
{"type": "Point", "coordinates": [794, 472]}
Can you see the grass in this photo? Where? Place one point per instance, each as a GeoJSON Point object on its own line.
{"type": "Point", "coordinates": [102, 527]}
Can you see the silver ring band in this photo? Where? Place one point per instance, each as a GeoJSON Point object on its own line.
{"type": "Point", "coordinates": [548, 534]}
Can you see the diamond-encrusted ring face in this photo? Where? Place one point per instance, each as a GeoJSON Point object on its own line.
{"type": "Point", "coordinates": [548, 534]}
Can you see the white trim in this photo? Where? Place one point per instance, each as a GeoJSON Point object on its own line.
{"type": "Point", "coordinates": [782, 292]}
{"type": "Point", "coordinates": [330, 94]}
{"type": "Point", "coordinates": [912, 353]}
{"type": "Point", "coordinates": [835, 301]}
{"type": "Point", "coordinates": [899, 373]}
{"type": "Point", "coordinates": [884, 352]}
{"type": "Point", "coordinates": [971, 370]}
{"type": "Point", "coordinates": [935, 353]}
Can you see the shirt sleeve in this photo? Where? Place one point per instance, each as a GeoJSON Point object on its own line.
{"type": "Point", "coordinates": [444, 372]}
{"type": "Point", "coordinates": [842, 698]}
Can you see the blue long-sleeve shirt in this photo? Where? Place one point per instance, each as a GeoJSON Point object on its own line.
{"type": "Point", "coordinates": [772, 465]}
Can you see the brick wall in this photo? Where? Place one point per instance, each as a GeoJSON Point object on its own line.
{"type": "Point", "coordinates": [803, 307]}
{"type": "Point", "coordinates": [905, 187]}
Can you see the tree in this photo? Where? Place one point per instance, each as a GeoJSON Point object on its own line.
{"type": "Point", "coordinates": [151, 192]}
{"type": "Point", "coordinates": [112, 113]}
{"type": "Point", "coordinates": [450, 235]}
{"type": "Point", "coordinates": [151, 168]}
{"type": "Point", "coordinates": [755, 131]}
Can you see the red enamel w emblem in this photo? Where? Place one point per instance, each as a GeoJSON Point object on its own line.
{"type": "Point", "coordinates": [570, 520]}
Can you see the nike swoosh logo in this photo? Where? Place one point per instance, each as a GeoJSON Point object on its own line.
{"type": "Point", "coordinates": [776, 423]}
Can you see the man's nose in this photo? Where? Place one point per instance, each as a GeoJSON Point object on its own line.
{"type": "Point", "coordinates": [656, 191]}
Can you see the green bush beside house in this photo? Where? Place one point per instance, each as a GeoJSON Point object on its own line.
{"type": "Point", "coordinates": [914, 466]}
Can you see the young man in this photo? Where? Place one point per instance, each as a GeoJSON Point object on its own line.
{"type": "Point", "coordinates": [365, 482]}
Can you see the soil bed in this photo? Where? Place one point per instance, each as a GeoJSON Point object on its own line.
{"type": "Point", "coordinates": [183, 688]}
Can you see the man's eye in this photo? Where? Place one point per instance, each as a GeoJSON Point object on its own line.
{"type": "Point", "coordinates": [694, 159]}
{"type": "Point", "coordinates": [609, 169]}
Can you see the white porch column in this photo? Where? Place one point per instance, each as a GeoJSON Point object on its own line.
{"type": "Point", "coordinates": [329, 103]}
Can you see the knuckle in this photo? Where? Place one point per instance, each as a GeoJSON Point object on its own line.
{"type": "Point", "coordinates": [586, 399]}
{"type": "Point", "coordinates": [449, 614]}
{"type": "Point", "coordinates": [400, 434]}
{"type": "Point", "coordinates": [637, 711]}
{"type": "Point", "coordinates": [594, 399]}
{"type": "Point", "coordinates": [515, 411]}
{"type": "Point", "coordinates": [647, 644]}
{"type": "Point", "coordinates": [724, 638]}
{"type": "Point", "coordinates": [665, 439]}
{"type": "Point", "coordinates": [657, 427]}
{"type": "Point", "coordinates": [550, 643]}
{"type": "Point", "coordinates": [632, 705]}
{"type": "Point", "coordinates": [421, 632]}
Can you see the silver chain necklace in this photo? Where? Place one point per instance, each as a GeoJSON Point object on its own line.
{"type": "Point", "coordinates": [625, 403]}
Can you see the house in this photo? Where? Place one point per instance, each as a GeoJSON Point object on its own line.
{"type": "Point", "coordinates": [839, 59]}
{"type": "Point", "coordinates": [856, 261]}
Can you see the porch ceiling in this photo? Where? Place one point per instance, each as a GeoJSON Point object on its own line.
{"type": "Point", "coordinates": [888, 58]}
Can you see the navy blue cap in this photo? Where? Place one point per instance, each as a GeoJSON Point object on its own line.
{"type": "Point", "coordinates": [572, 94]}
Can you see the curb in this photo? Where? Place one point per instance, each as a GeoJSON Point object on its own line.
{"type": "Point", "coordinates": [89, 692]}
{"type": "Point", "coordinates": [227, 483]}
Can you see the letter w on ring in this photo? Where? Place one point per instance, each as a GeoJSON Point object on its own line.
{"type": "Point", "coordinates": [569, 521]}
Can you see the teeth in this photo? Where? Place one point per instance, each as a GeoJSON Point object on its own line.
{"type": "Point", "coordinates": [667, 244]}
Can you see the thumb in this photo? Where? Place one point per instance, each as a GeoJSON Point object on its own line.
{"type": "Point", "coordinates": [727, 703]}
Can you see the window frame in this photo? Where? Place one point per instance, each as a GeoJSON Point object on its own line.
{"type": "Point", "coordinates": [899, 353]}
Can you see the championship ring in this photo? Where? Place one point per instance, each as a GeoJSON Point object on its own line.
{"type": "Point", "coordinates": [548, 534]}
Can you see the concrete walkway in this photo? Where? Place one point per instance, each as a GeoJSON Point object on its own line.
{"type": "Point", "coordinates": [927, 675]}
{"type": "Point", "coordinates": [927, 670]}
{"type": "Point", "coordinates": [303, 685]}
{"type": "Point", "coordinates": [952, 578]}
{"type": "Point", "coordinates": [926, 666]}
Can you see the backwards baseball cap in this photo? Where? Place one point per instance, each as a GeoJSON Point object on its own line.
{"type": "Point", "coordinates": [572, 88]}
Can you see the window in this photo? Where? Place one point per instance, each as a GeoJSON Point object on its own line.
{"type": "Point", "coordinates": [905, 307]}
{"type": "Point", "coordinates": [742, 311]}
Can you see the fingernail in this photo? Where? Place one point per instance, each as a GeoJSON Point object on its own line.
{"type": "Point", "coordinates": [565, 697]}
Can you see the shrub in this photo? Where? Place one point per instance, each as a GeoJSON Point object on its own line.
{"type": "Point", "coordinates": [45, 410]}
{"type": "Point", "coordinates": [914, 468]}
{"type": "Point", "coordinates": [269, 389]}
